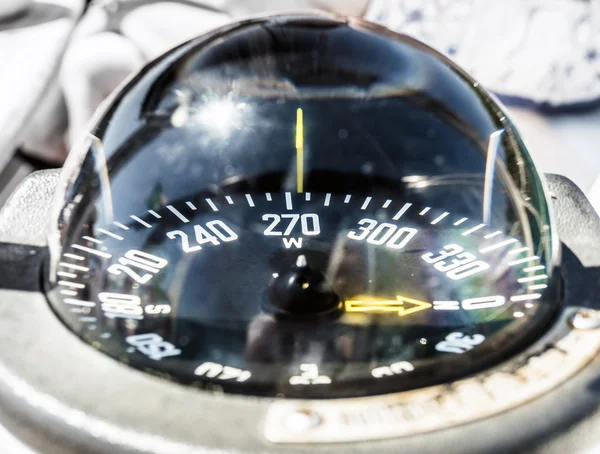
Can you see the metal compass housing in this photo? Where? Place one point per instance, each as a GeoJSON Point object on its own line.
{"type": "Point", "coordinates": [303, 207]}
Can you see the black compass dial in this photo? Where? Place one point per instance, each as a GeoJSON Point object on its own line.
{"type": "Point", "coordinates": [303, 207]}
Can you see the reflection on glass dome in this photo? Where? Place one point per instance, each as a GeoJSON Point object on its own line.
{"type": "Point", "coordinates": [303, 206]}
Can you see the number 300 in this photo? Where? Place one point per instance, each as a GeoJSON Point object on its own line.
{"type": "Point", "coordinates": [384, 233]}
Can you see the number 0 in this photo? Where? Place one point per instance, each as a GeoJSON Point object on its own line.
{"type": "Point", "coordinates": [401, 238]}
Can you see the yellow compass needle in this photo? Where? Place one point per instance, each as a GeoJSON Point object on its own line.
{"type": "Point", "coordinates": [299, 150]}
{"type": "Point", "coordinates": [402, 305]}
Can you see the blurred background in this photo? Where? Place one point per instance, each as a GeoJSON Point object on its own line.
{"type": "Point", "coordinates": [61, 58]}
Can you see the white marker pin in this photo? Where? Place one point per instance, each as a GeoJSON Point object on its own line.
{"type": "Point", "coordinates": [473, 229]}
{"type": "Point", "coordinates": [532, 278]}
{"type": "Point", "coordinates": [525, 260]}
{"type": "Point", "coordinates": [79, 310]}
{"type": "Point", "coordinates": [518, 251]}
{"type": "Point", "coordinates": [110, 234]}
{"type": "Point", "coordinates": [68, 292]}
{"type": "Point", "coordinates": [493, 234]}
{"type": "Point", "coordinates": [534, 268]}
{"type": "Point", "coordinates": [498, 245]}
{"type": "Point", "coordinates": [366, 203]}
{"type": "Point", "coordinates": [141, 221]}
{"type": "Point", "coordinates": [73, 267]}
{"type": "Point", "coordinates": [402, 210]}
{"type": "Point", "coordinates": [176, 212]}
{"type": "Point", "coordinates": [211, 205]}
{"type": "Point", "coordinates": [76, 302]}
{"type": "Point", "coordinates": [440, 217]}
{"type": "Point", "coordinates": [71, 284]}
{"type": "Point", "coordinates": [91, 251]}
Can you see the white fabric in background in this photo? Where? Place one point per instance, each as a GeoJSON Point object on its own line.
{"type": "Point", "coordinates": [31, 46]}
{"type": "Point", "coordinates": [542, 51]}
{"type": "Point", "coordinates": [565, 143]}
{"type": "Point", "coordinates": [103, 54]}
{"type": "Point", "coordinates": [9, 8]}
{"type": "Point", "coordinates": [546, 51]}
{"type": "Point", "coordinates": [116, 38]}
